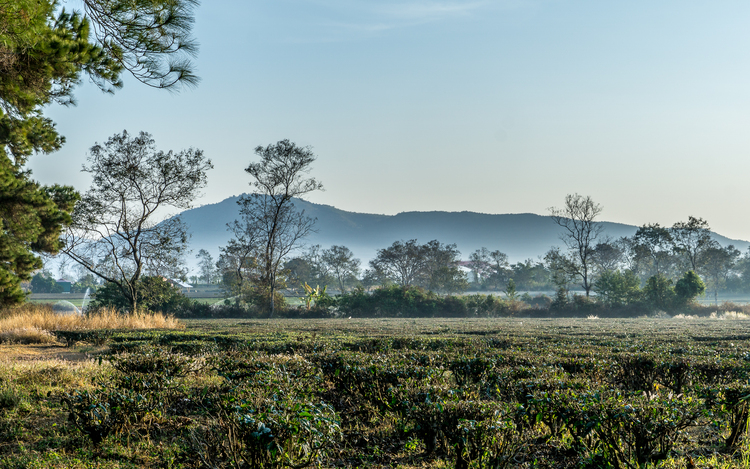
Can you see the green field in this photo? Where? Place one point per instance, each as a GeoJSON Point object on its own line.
{"type": "Point", "coordinates": [386, 393]}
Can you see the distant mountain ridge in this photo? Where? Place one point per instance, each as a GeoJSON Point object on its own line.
{"type": "Point", "coordinates": [521, 236]}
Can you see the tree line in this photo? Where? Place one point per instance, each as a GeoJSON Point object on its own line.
{"type": "Point", "coordinates": [116, 233]}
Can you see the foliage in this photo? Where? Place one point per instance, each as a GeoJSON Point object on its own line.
{"type": "Point", "coordinates": [342, 265]}
{"type": "Point", "coordinates": [259, 297]}
{"type": "Point", "coordinates": [155, 294]}
{"type": "Point", "coordinates": [691, 239]}
{"type": "Point", "coordinates": [238, 268]}
{"type": "Point", "coordinates": [659, 293]}
{"type": "Point", "coordinates": [657, 242]}
{"type": "Point", "coordinates": [433, 266]}
{"type": "Point", "coordinates": [206, 266]}
{"type": "Point", "coordinates": [466, 393]}
{"type": "Point", "coordinates": [32, 217]}
{"type": "Point", "coordinates": [398, 301]}
{"type": "Point", "coordinates": [510, 290]}
{"type": "Point", "coordinates": [717, 265]}
{"type": "Point", "coordinates": [151, 39]}
{"type": "Point", "coordinates": [87, 282]}
{"type": "Point", "coordinates": [688, 287]}
{"type": "Point", "coordinates": [618, 289]}
{"type": "Point", "coordinates": [41, 283]}
{"type": "Point", "coordinates": [313, 295]}
{"type": "Point", "coordinates": [299, 272]}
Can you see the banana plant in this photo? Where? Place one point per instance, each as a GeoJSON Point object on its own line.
{"type": "Point", "coordinates": [313, 294]}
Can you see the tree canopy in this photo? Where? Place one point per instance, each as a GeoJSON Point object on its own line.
{"type": "Point", "coordinates": [118, 219]}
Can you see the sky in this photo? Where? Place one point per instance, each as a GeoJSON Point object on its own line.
{"type": "Point", "coordinates": [484, 106]}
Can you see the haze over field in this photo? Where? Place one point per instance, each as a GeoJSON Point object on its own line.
{"type": "Point", "coordinates": [493, 107]}
{"type": "Point", "coordinates": [522, 236]}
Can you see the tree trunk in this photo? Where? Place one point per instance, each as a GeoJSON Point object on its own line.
{"type": "Point", "coordinates": [270, 314]}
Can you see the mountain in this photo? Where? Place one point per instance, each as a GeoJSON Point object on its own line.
{"type": "Point", "coordinates": [521, 235]}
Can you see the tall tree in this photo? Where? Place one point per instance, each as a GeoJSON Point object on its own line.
{"type": "Point", "coordinates": [319, 269]}
{"type": "Point", "coordinates": [117, 217]}
{"type": "Point", "coordinates": [635, 257]}
{"type": "Point", "coordinates": [561, 271]}
{"type": "Point", "coordinates": [238, 267]}
{"type": "Point", "coordinates": [716, 265]}
{"type": "Point", "coordinates": [580, 231]}
{"type": "Point", "coordinates": [43, 53]}
{"type": "Point", "coordinates": [691, 239]}
{"type": "Point", "coordinates": [268, 216]}
{"type": "Point", "coordinates": [657, 241]}
{"type": "Point", "coordinates": [607, 255]}
{"type": "Point", "coordinates": [441, 271]}
{"type": "Point", "coordinates": [433, 266]}
{"type": "Point", "coordinates": [342, 264]}
{"type": "Point", "coordinates": [401, 262]}
{"type": "Point", "coordinates": [206, 265]}
{"type": "Point", "coordinates": [500, 268]}
{"type": "Point", "coordinates": [479, 263]}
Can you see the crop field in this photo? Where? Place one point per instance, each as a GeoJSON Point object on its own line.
{"type": "Point", "coordinates": [390, 393]}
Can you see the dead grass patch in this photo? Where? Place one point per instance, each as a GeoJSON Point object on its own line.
{"type": "Point", "coordinates": [27, 335]}
{"type": "Point", "coordinates": [33, 323]}
{"type": "Point", "coordinates": [48, 373]}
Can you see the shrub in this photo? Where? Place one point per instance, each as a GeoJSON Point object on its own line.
{"type": "Point", "coordinates": [659, 293]}
{"type": "Point", "coordinates": [615, 288]}
{"type": "Point", "coordinates": [259, 298]}
{"type": "Point", "coordinates": [154, 294]}
{"type": "Point", "coordinates": [688, 287]}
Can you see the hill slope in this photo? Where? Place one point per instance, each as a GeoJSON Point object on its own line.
{"type": "Point", "coordinates": [521, 236]}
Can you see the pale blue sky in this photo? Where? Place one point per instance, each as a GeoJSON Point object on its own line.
{"type": "Point", "coordinates": [488, 106]}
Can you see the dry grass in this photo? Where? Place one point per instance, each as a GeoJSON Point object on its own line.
{"type": "Point", "coordinates": [50, 373]}
{"type": "Point", "coordinates": [685, 316]}
{"type": "Point", "coordinates": [27, 335]}
{"type": "Point", "coordinates": [33, 323]}
{"type": "Point", "coordinates": [730, 315]}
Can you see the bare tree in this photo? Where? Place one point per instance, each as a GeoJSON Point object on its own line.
{"type": "Point", "coordinates": [116, 233]}
{"type": "Point", "coordinates": [580, 231]}
{"type": "Point", "coordinates": [268, 217]}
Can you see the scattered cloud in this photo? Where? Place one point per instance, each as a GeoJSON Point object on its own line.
{"type": "Point", "coordinates": [342, 19]}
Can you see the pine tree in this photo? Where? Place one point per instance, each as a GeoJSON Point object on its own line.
{"type": "Point", "coordinates": [43, 54]}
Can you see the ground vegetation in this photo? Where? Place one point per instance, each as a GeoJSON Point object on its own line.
{"type": "Point", "coordinates": [403, 393]}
